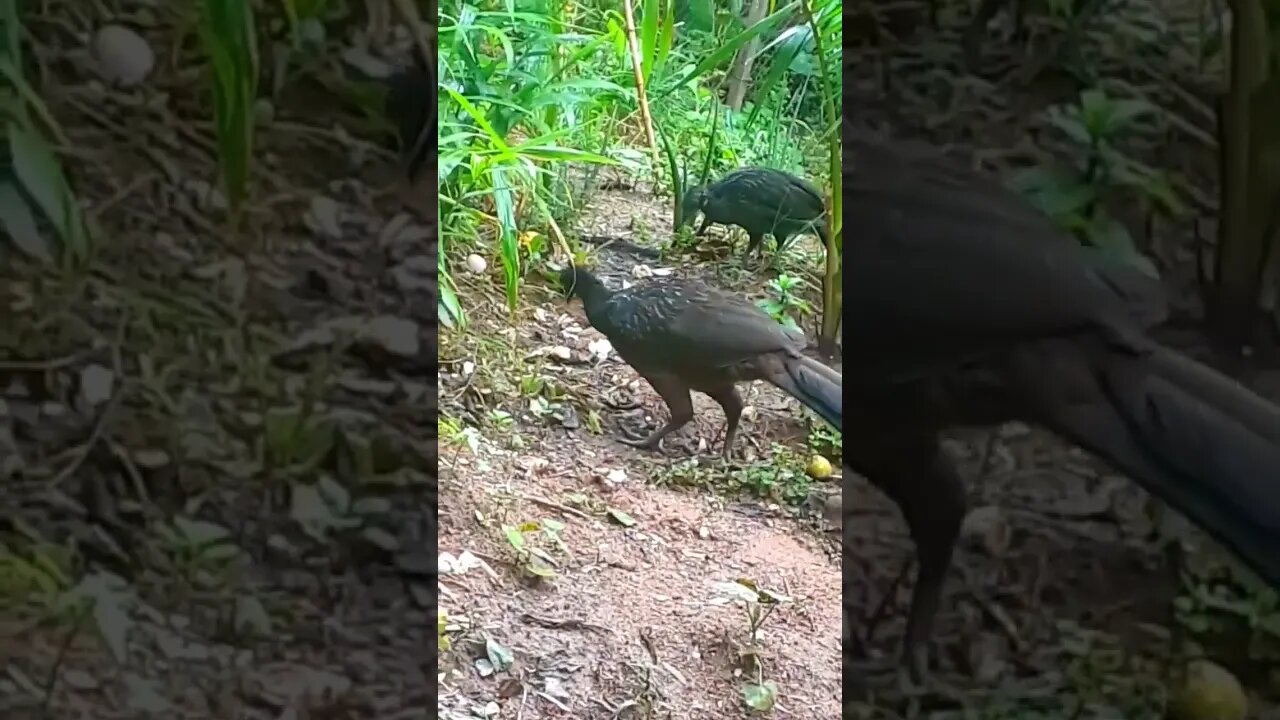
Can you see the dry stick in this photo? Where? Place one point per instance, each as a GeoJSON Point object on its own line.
{"type": "Point", "coordinates": [634, 50]}
{"type": "Point", "coordinates": [63, 648]}
{"type": "Point", "coordinates": [100, 425]}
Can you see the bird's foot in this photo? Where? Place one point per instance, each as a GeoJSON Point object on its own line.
{"type": "Point", "coordinates": [648, 443]}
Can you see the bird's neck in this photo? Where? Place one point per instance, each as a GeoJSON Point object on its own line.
{"type": "Point", "coordinates": [592, 291]}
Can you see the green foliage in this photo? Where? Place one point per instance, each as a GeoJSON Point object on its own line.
{"type": "Point", "coordinates": [785, 303]}
{"type": "Point", "coordinates": [515, 86]}
{"type": "Point", "coordinates": [33, 186]}
{"type": "Point", "coordinates": [230, 41]}
{"type": "Point", "coordinates": [304, 18]}
{"type": "Point", "coordinates": [536, 99]}
{"type": "Point", "coordinates": [1073, 197]}
{"type": "Point", "coordinates": [526, 540]}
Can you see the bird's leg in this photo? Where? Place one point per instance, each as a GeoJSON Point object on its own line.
{"type": "Point", "coordinates": [676, 395]}
{"type": "Point", "coordinates": [780, 243]}
{"type": "Point", "coordinates": [731, 402]}
{"type": "Point", "coordinates": [755, 245]}
{"type": "Point", "coordinates": [702, 229]}
{"type": "Point", "coordinates": [931, 497]}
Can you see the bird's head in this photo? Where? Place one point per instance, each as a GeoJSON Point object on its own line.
{"type": "Point", "coordinates": [691, 203]}
{"type": "Point", "coordinates": [568, 279]}
{"type": "Point", "coordinates": [579, 282]}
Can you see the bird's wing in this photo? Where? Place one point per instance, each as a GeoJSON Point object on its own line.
{"type": "Point", "coordinates": [946, 261]}
{"type": "Point", "coordinates": [727, 330]}
{"type": "Point", "coordinates": [806, 189]}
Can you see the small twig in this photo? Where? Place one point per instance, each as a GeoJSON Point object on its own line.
{"type": "Point", "coordinates": [556, 506]}
{"type": "Point", "coordinates": [124, 192]}
{"type": "Point", "coordinates": [63, 648]}
{"type": "Point", "coordinates": [100, 425]}
{"type": "Point", "coordinates": [552, 624]}
{"type": "Point", "coordinates": [47, 365]}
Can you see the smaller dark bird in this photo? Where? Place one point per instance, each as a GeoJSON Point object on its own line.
{"type": "Point", "coordinates": [762, 201]}
{"type": "Point", "coordinates": [411, 106]}
{"type": "Point", "coordinates": [682, 335]}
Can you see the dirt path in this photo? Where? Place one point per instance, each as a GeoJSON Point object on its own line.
{"type": "Point", "coordinates": [630, 626]}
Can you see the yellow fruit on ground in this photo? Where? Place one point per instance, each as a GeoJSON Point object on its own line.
{"type": "Point", "coordinates": [819, 467]}
{"type": "Point", "coordinates": [1208, 692]}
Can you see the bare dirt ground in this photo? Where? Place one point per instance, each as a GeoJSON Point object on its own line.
{"type": "Point", "coordinates": [631, 625]}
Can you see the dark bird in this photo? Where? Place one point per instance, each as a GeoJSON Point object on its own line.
{"type": "Point", "coordinates": [411, 106]}
{"type": "Point", "coordinates": [762, 201]}
{"type": "Point", "coordinates": [974, 309]}
{"type": "Point", "coordinates": [682, 335]}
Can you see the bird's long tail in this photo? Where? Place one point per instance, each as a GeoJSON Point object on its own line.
{"type": "Point", "coordinates": [814, 384]}
{"type": "Point", "coordinates": [1196, 439]}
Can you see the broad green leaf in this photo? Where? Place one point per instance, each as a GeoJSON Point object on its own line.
{"type": "Point", "coordinates": [760, 698]}
{"type": "Point", "coordinates": [41, 176]}
{"type": "Point", "coordinates": [20, 224]}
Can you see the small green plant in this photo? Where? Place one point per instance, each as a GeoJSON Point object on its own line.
{"type": "Point", "coordinates": [199, 550]}
{"type": "Point", "coordinates": [227, 32]}
{"type": "Point", "coordinates": [452, 431]}
{"type": "Point", "coordinates": [784, 303]}
{"type": "Point", "coordinates": [1073, 197]}
{"type": "Point", "coordinates": [758, 604]}
{"type": "Point", "coordinates": [304, 20]}
{"type": "Point", "coordinates": [531, 558]}
{"type": "Point", "coordinates": [826, 440]}
{"type": "Point", "coordinates": [37, 571]}
{"type": "Point", "coordinates": [33, 185]}
{"type": "Point", "coordinates": [780, 476]}
{"type": "Point", "coordinates": [1214, 608]}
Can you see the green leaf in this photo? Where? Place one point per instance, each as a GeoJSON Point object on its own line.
{"type": "Point", "coordinates": [40, 173]}
{"type": "Point", "coordinates": [514, 536]}
{"type": "Point", "coordinates": [620, 517]}
{"type": "Point", "coordinates": [499, 656]}
{"type": "Point", "coordinates": [760, 698]}
{"type": "Point", "coordinates": [200, 532]}
{"type": "Point", "coordinates": [20, 224]}
{"type": "Point", "coordinates": [727, 50]}
{"type": "Point", "coordinates": [1071, 124]}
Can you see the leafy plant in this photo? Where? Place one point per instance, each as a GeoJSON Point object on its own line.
{"type": "Point", "coordinates": [780, 476]}
{"type": "Point", "coordinates": [196, 546]}
{"type": "Point", "coordinates": [785, 303]}
{"type": "Point", "coordinates": [1073, 197]}
{"type": "Point", "coordinates": [823, 439]}
{"type": "Point", "coordinates": [529, 556]}
{"type": "Point", "coordinates": [758, 604]}
{"type": "Point", "coordinates": [505, 109]}
{"type": "Point", "coordinates": [303, 14]}
{"type": "Point", "coordinates": [33, 185]}
{"type": "Point", "coordinates": [228, 35]}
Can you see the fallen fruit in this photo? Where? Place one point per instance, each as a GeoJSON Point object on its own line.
{"type": "Point", "coordinates": [1208, 692]}
{"type": "Point", "coordinates": [819, 467]}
